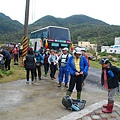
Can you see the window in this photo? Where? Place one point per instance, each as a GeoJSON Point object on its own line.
{"type": "Point", "coordinates": [55, 44]}
{"type": "Point", "coordinates": [115, 51]}
{"type": "Point", "coordinates": [110, 50]}
{"type": "Point", "coordinates": [64, 45]}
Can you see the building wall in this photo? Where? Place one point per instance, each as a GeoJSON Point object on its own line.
{"type": "Point", "coordinates": [117, 41]}
{"type": "Point", "coordinates": [87, 45]}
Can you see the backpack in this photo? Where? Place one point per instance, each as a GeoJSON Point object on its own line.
{"type": "Point", "coordinates": [74, 105]}
{"type": "Point", "coordinates": [118, 74]}
{"type": "Point", "coordinates": [61, 59]}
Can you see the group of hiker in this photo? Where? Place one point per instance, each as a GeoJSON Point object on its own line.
{"type": "Point", "coordinates": [76, 65]}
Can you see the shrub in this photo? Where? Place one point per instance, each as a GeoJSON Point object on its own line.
{"type": "Point", "coordinates": [1, 73]}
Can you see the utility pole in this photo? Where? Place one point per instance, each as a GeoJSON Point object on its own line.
{"type": "Point", "coordinates": [98, 31]}
{"type": "Point", "coordinates": [25, 38]}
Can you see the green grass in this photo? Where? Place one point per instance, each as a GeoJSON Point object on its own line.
{"type": "Point", "coordinates": [95, 64]}
{"type": "Point", "coordinates": [17, 72]}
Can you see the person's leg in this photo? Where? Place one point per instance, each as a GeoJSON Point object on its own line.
{"type": "Point", "coordinates": [32, 75]}
{"type": "Point", "coordinates": [111, 94]}
{"type": "Point", "coordinates": [17, 58]}
{"type": "Point", "coordinates": [45, 69]}
{"type": "Point", "coordinates": [71, 85]}
{"type": "Point", "coordinates": [60, 76]}
{"type": "Point", "coordinates": [8, 64]}
{"type": "Point", "coordinates": [79, 86]}
{"type": "Point", "coordinates": [84, 77]}
{"type": "Point", "coordinates": [35, 72]}
{"type": "Point", "coordinates": [27, 75]}
{"type": "Point", "coordinates": [14, 58]}
{"type": "Point", "coordinates": [52, 71]}
{"type": "Point", "coordinates": [39, 72]}
{"type": "Point", "coordinates": [66, 76]}
{"type": "Point", "coordinates": [55, 68]}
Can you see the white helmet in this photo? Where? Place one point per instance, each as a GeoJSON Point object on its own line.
{"type": "Point", "coordinates": [77, 50]}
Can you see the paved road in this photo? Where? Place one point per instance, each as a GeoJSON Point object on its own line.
{"type": "Point", "coordinates": [94, 76]}
{"type": "Point", "coordinates": [42, 101]}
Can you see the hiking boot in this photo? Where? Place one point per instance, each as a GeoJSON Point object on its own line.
{"type": "Point", "coordinates": [109, 108]}
{"type": "Point", "coordinates": [59, 85]}
{"type": "Point", "coordinates": [27, 82]}
{"type": "Point", "coordinates": [66, 85]}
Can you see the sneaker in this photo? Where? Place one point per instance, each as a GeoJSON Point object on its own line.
{"type": "Point", "coordinates": [32, 82]}
{"type": "Point", "coordinates": [27, 82]}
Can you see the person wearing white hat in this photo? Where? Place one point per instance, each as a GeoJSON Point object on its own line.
{"type": "Point", "coordinates": [77, 66]}
{"type": "Point", "coordinates": [63, 67]}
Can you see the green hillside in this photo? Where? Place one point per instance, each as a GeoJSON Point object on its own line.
{"type": "Point", "coordinates": [10, 30]}
{"type": "Point", "coordinates": [82, 28]}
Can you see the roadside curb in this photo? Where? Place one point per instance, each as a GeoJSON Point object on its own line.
{"type": "Point", "coordinates": [87, 110]}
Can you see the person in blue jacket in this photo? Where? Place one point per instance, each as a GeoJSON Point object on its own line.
{"type": "Point", "coordinates": [77, 66]}
{"type": "Point", "coordinates": [39, 60]}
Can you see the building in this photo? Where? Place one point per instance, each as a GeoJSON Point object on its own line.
{"type": "Point", "coordinates": [87, 45]}
{"type": "Point", "coordinates": [117, 41]}
{"type": "Point", "coordinates": [111, 49]}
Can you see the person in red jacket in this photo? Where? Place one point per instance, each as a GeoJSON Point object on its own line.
{"type": "Point", "coordinates": [16, 52]}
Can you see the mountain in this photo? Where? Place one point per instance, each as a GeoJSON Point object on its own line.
{"type": "Point", "coordinates": [72, 20]}
{"type": "Point", "coordinates": [8, 25]}
{"type": "Point", "coordinates": [82, 28]}
{"type": "Point", "coordinates": [9, 29]}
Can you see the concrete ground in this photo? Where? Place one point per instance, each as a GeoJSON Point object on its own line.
{"type": "Point", "coordinates": [42, 100]}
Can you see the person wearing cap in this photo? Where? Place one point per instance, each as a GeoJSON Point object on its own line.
{"type": "Point", "coordinates": [52, 60]}
{"type": "Point", "coordinates": [39, 59]}
{"type": "Point", "coordinates": [110, 82]}
{"type": "Point", "coordinates": [63, 67]}
{"type": "Point", "coordinates": [46, 64]}
{"type": "Point", "coordinates": [88, 60]}
{"type": "Point", "coordinates": [77, 66]}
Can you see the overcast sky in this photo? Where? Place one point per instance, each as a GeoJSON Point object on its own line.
{"type": "Point", "coordinates": [105, 10]}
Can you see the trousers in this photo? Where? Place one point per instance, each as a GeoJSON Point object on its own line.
{"type": "Point", "coordinates": [63, 71]}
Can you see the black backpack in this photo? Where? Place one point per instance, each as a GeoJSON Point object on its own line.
{"type": "Point", "coordinates": [74, 105]}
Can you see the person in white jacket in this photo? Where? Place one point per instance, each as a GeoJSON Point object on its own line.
{"type": "Point", "coordinates": [52, 60]}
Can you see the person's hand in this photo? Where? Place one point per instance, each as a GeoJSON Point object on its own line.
{"type": "Point", "coordinates": [81, 73]}
{"type": "Point", "coordinates": [77, 73]}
